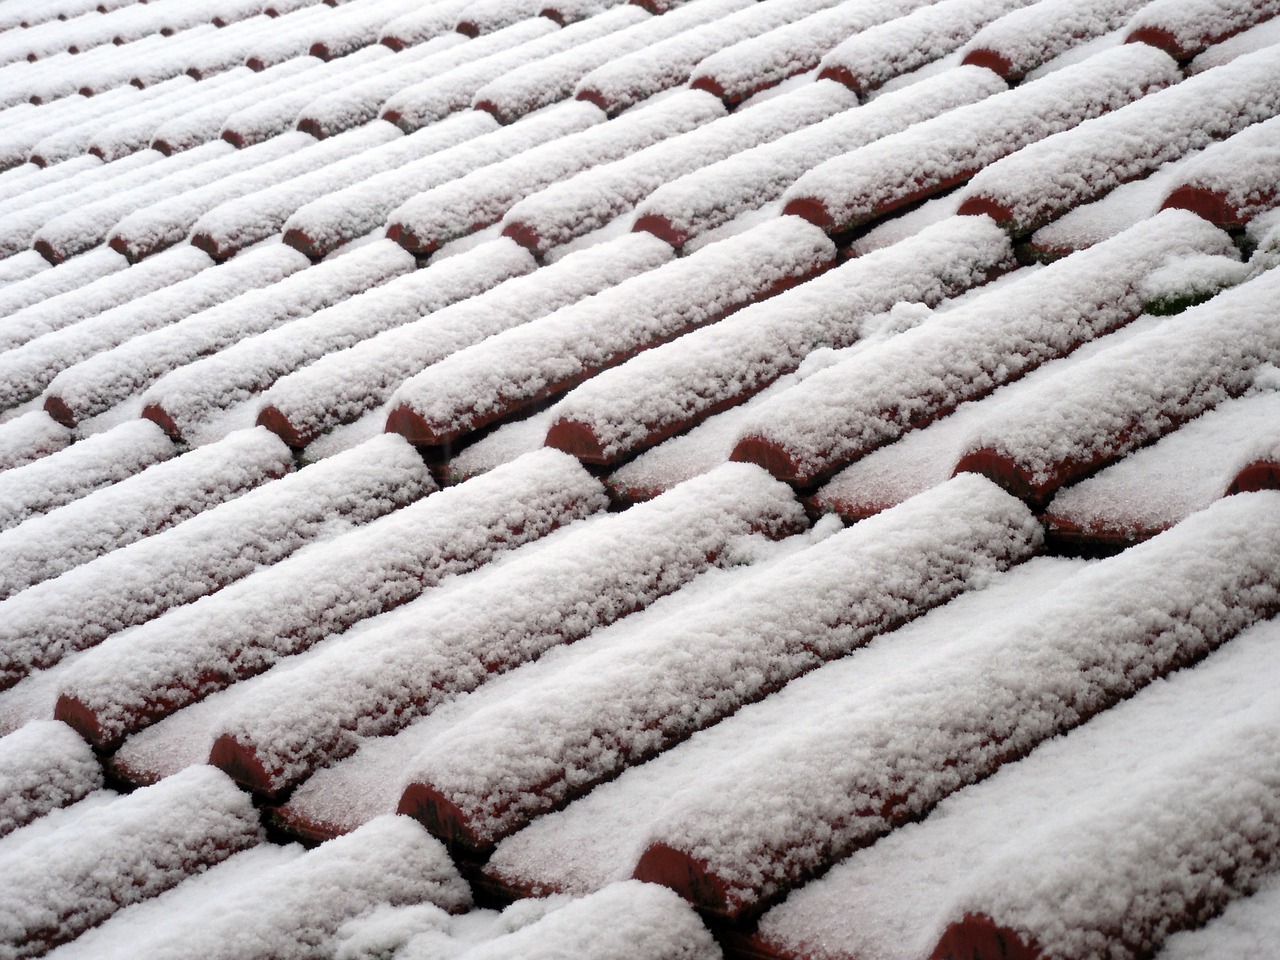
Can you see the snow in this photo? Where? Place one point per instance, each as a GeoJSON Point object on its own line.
{"type": "Point", "coordinates": [655, 395]}
{"type": "Point", "coordinates": [175, 97]}
{"type": "Point", "coordinates": [44, 766]}
{"type": "Point", "coordinates": [1185, 471]}
{"type": "Point", "coordinates": [630, 701]}
{"type": "Point", "coordinates": [625, 921]}
{"type": "Point", "coordinates": [598, 838]}
{"type": "Point", "coordinates": [483, 196]}
{"type": "Point", "coordinates": [76, 471]}
{"type": "Point", "coordinates": [420, 25]}
{"type": "Point", "coordinates": [927, 456]}
{"type": "Point", "coordinates": [595, 196]}
{"type": "Point", "coordinates": [91, 223]}
{"type": "Point", "coordinates": [322, 225]}
{"type": "Point", "coordinates": [108, 290]}
{"type": "Point", "coordinates": [536, 84]}
{"type": "Point", "coordinates": [1247, 926]}
{"type": "Point", "coordinates": [204, 553]}
{"type": "Point", "coordinates": [847, 775]}
{"type": "Point", "coordinates": [246, 628]}
{"type": "Point", "coordinates": [193, 394]}
{"type": "Point", "coordinates": [626, 80]}
{"type": "Point", "coordinates": [1126, 205]}
{"type": "Point", "coordinates": [1187, 27]}
{"type": "Point", "coordinates": [290, 906]}
{"type": "Point", "coordinates": [1263, 35]}
{"type": "Point", "coordinates": [893, 899]}
{"type": "Point", "coordinates": [860, 186]}
{"type": "Point", "coordinates": [35, 124]}
{"type": "Point", "coordinates": [872, 398]}
{"type": "Point", "coordinates": [1233, 172]}
{"type": "Point", "coordinates": [30, 368]}
{"type": "Point", "coordinates": [516, 368]}
{"type": "Point", "coordinates": [29, 437]}
{"type": "Point", "coordinates": [1121, 399]}
{"type": "Point", "coordinates": [345, 385]}
{"type": "Point", "coordinates": [594, 572]}
{"type": "Point", "coordinates": [1046, 179]}
{"type": "Point", "coordinates": [20, 266]}
{"type": "Point", "coordinates": [265, 118]}
{"type": "Point", "coordinates": [79, 136]}
{"type": "Point", "coordinates": [756, 63]}
{"type": "Point", "coordinates": [138, 506]}
{"type": "Point", "coordinates": [64, 277]}
{"type": "Point", "coordinates": [1023, 40]}
{"type": "Point", "coordinates": [93, 385]}
{"type": "Point", "coordinates": [55, 887]}
{"type": "Point", "coordinates": [252, 205]}
{"type": "Point", "coordinates": [360, 101]}
{"type": "Point", "coordinates": [874, 55]}
{"type": "Point", "coordinates": [27, 212]}
{"type": "Point", "coordinates": [419, 104]}
{"type": "Point", "coordinates": [700, 201]}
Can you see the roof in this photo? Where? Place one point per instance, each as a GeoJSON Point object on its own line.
{"type": "Point", "coordinates": [678, 479]}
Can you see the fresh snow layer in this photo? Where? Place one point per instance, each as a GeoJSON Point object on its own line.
{"type": "Point", "coordinates": [1022, 40]}
{"type": "Point", "coordinates": [625, 921]}
{"type": "Point", "coordinates": [656, 394]}
{"type": "Point", "coordinates": [322, 225]}
{"type": "Point", "coordinates": [55, 887]}
{"type": "Point", "coordinates": [289, 907]}
{"type": "Point", "coordinates": [29, 437]}
{"type": "Point", "coordinates": [31, 367]}
{"type": "Point", "coordinates": [598, 839]}
{"type": "Point", "coordinates": [109, 377]}
{"type": "Point", "coordinates": [893, 899]}
{"type": "Point", "coordinates": [1157, 486]}
{"type": "Point", "coordinates": [862, 185]}
{"type": "Point", "coordinates": [1104, 407]}
{"type": "Point", "coordinates": [138, 506]}
{"type": "Point", "coordinates": [1045, 179]}
{"type": "Point", "coordinates": [1248, 927]}
{"type": "Point", "coordinates": [205, 553]}
{"type": "Point", "coordinates": [509, 763]}
{"type": "Point", "coordinates": [79, 470]}
{"type": "Point", "coordinates": [927, 456]}
{"type": "Point", "coordinates": [875, 396]}
{"type": "Point", "coordinates": [193, 394]}
{"type": "Point", "coordinates": [345, 385]}
{"type": "Point", "coordinates": [1232, 181]}
{"type": "Point", "coordinates": [43, 766]}
{"type": "Point", "coordinates": [604, 191]}
{"type": "Point", "coordinates": [626, 80]}
{"type": "Point", "coordinates": [271, 614]}
{"type": "Point", "coordinates": [483, 196]}
{"type": "Point", "coordinates": [1187, 27]}
{"type": "Point", "coordinates": [523, 365]}
{"type": "Point", "coordinates": [757, 63]}
{"type": "Point", "coordinates": [884, 758]}
{"type": "Point", "coordinates": [712, 196]}
{"type": "Point", "coordinates": [870, 58]}
{"type": "Point", "coordinates": [543, 595]}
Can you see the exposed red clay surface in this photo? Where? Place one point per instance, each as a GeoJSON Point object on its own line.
{"type": "Point", "coordinates": [977, 937]}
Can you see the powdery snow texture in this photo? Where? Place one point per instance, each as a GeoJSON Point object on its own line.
{"type": "Point", "coordinates": [545, 595]}
{"type": "Point", "coordinates": [507, 764]}
{"type": "Point", "coordinates": [204, 553]}
{"type": "Point", "coordinates": [271, 614]}
{"type": "Point", "coordinates": [866, 183]}
{"type": "Point", "coordinates": [521, 366]}
{"type": "Point", "coordinates": [43, 766]}
{"type": "Point", "coordinates": [661, 392]}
